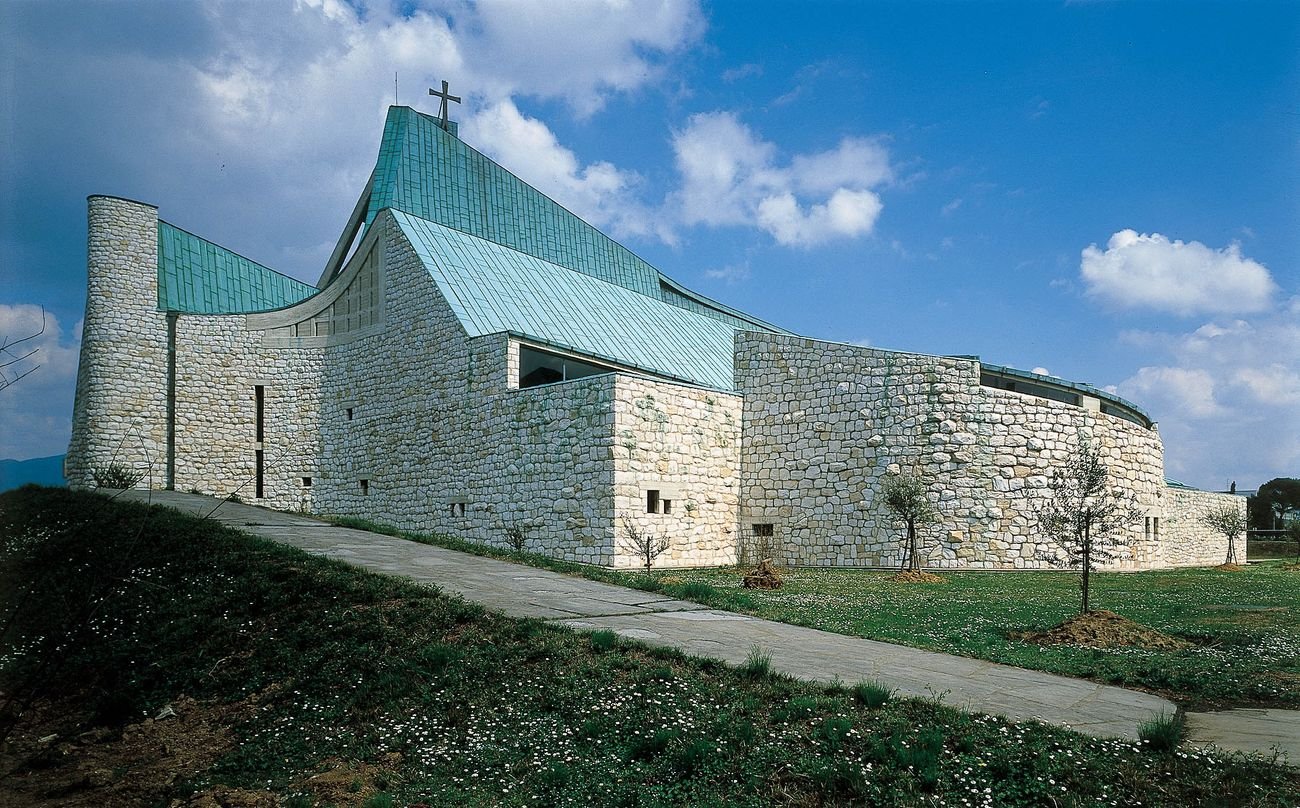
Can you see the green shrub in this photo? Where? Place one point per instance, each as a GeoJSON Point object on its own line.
{"type": "Point", "coordinates": [1162, 733]}
{"type": "Point", "coordinates": [604, 640]}
{"type": "Point", "coordinates": [757, 664]}
{"type": "Point", "coordinates": [872, 694]}
{"type": "Point", "coordinates": [116, 475]}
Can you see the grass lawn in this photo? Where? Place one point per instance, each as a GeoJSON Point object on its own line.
{"type": "Point", "coordinates": [299, 681]}
{"type": "Point", "coordinates": [1245, 625]}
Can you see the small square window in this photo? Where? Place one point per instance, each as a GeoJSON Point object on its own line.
{"type": "Point", "coordinates": [306, 482]}
{"type": "Point", "coordinates": [365, 488]}
{"type": "Point", "coordinates": [457, 509]}
{"type": "Point", "coordinates": [652, 501]}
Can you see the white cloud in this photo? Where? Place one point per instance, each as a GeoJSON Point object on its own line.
{"type": "Point", "coordinates": [1137, 270]}
{"type": "Point", "coordinates": [1041, 371]}
{"type": "Point", "coordinates": [1227, 396]}
{"type": "Point", "coordinates": [38, 407]}
{"type": "Point", "coordinates": [743, 72]}
{"type": "Point", "coordinates": [731, 176]}
{"type": "Point", "coordinates": [599, 192]}
{"type": "Point", "coordinates": [1188, 390]}
{"type": "Point", "coordinates": [730, 274]}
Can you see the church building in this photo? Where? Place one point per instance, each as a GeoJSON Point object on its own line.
{"type": "Point", "coordinates": [475, 360]}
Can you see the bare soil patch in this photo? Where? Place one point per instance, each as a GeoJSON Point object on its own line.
{"type": "Point", "coordinates": [1103, 629]}
{"type": "Point", "coordinates": [914, 577]}
{"type": "Point", "coordinates": [1230, 568]}
{"type": "Point", "coordinates": [102, 767]}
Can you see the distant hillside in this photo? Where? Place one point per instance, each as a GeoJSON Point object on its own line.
{"type": "Point", "coordinates": [39, 470]}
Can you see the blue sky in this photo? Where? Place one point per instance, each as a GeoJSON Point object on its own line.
{"type": "Point", "coordinates": [1102, 191]}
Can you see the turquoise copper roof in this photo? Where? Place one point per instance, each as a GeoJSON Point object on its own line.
{"type": "Point", "coordinates": [431, 174]}
{"type": "Point", "coordinates": [198, 277]}
{"type": "Point", "coordinates": [494, 289]}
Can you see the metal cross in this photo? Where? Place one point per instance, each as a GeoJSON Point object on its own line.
{"type": "Point", "coordinates": [446, 96]}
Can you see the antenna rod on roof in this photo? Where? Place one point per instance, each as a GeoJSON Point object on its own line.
{"type": "Point", "coordinates": [395, 103]}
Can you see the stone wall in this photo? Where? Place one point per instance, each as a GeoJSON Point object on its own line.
{"type": "Point", "coordinates": [406, 420]}
{"type": "Point", "coordinates": [1187, 541]}
{"type": "Point", "coordinates": [684, 443]}
{"type": "Point", "coordinates": [826, 423]}
{"type": "Point", "coordinates": [120, 410]}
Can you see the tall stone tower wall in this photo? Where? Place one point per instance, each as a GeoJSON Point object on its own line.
{"type": "Point", "coordinates": [120, 414]}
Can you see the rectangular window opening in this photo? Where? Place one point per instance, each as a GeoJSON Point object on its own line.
{"type": "Point", "coordinates": [259, 393]}
{"type": "Point", "coordinates": [762, 529]}
{"type": "Point", "coordinates": [257, 472]}
{"type": "Point", "coordinates": [349, 411]}
{"type": "Point", "coordinates": [457, 509]}
{"type": "Point", "coordinates": [542, 367]}
{"type": "Point", "coordinates": [667, 505]}
{"type": "Point", "coordinates": [652, 501]}
{"type": "Point", "coordinates": [306, 482]}
{"type": "Point", "coordinates": [365, 488]}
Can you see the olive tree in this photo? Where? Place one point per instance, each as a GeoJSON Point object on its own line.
{"type": "Point", "coordinates": [1084, 515]}
{"type": "Point", "coordinates": [905, 497]}
{"type": "Point", "coordinates": [1228, 521]}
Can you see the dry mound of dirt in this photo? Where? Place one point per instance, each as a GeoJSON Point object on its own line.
{"type": "Point", "coordinates": [1103, 629]}
{"type": "Point", "coordinates": [100, 767]}
{"type": "Point", "coordinates": [764, 576]}
{"type": "Point", "coordinates": [1230, 568]}
{"type": "Point", "coordinates": [913, 577]}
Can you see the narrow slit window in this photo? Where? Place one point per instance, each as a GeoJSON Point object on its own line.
{"type": "Point", "coordinates": [259, 393]}
{"type": "Point", "coordinates": [257, 472]}
{"type": "Point", "coordinates": [667, 505]}
{"type": "Point", "coordinates": [365, 488]}
{"type": "Point", "coordinates": [349, 411]}
{"type": "Point", "coordinates": [652, 501]}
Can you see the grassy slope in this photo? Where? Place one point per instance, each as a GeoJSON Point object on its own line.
{"type": "Point", "coordinates": [430, 699]}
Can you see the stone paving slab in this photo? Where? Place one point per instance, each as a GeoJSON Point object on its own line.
{"type": "Point", "coordinates": [1019, 694]}
{"type": "Point", "coordinates": [1258, 731]}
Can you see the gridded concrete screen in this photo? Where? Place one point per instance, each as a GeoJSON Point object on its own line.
{"type": "Point", "coordinates": [196, 276]}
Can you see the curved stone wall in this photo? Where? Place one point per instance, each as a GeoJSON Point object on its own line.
{"type": "Point", "coordinates": [120, 410]}
{"type": "Point", "coordinates": [825, 423]}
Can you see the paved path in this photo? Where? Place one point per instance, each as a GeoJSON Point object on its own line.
{"type": "Point", "coordinates": [522, 591]}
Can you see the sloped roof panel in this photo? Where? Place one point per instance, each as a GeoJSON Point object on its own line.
{"type": "Point", "coordinates": [492, 288]}
{"type": "Point", "coordinates": [198, 277]}
{"type": "Point", "coordinates": [430, 173]}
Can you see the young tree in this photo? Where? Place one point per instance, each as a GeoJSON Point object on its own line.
{"type": "Point", "coordinates": [905, 497]}
{"type": "Point", "coordinates": [1084, 515]}
{"type": "Point", "coordinates": [13, 357]}
{"type": "Point", "coordinates": [1229, 521]}
{"type": "Point", "coordinates": [642, 543]}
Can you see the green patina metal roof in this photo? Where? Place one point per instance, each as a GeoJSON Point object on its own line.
{"type": "Point", "coordinates": [198, 277]}
{"type": "Point", "coordinates": [431, 174]}
{"type": "Point", "coordinates": [494, 289]}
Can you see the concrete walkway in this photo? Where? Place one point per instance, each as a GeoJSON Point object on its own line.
{"type": "Point", "coordinates": [970, 684]}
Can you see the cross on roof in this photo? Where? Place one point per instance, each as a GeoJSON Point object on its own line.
{"type": "Point", "coordinates": [446, 96]}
